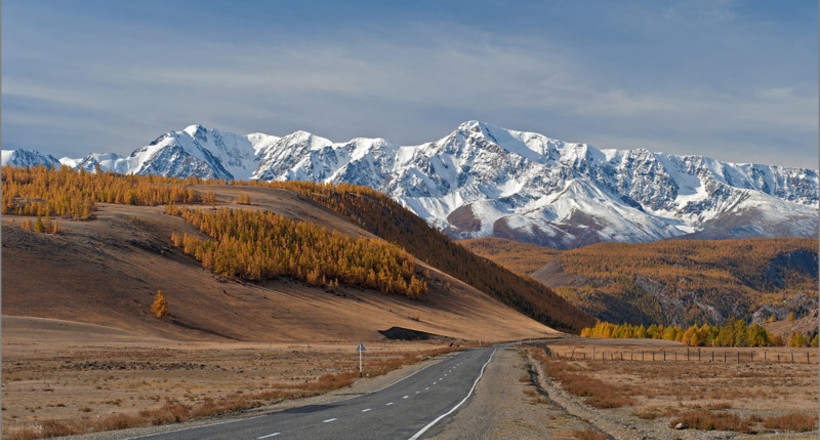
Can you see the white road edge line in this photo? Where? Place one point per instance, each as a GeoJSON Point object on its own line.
{"type": "Point", "coordinates": [431, 424]}
{"type": "Point", "coordinates": [269, 435]}
{"type": "Point", "coordinates": [329, 420]}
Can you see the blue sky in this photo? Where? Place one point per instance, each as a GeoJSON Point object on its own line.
{"type": "Point", "coordinates": [735, 80]}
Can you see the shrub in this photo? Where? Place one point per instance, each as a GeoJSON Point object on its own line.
{"type": "Point", "coordinates": [792, 422]}
{"type": "Point", "coordinates": [713, 421]}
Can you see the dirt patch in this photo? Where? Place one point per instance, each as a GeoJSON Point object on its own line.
{"type": "Point", "coordinates": [463, 219]}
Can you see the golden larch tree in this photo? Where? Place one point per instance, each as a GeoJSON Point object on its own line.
{"type": "Point", "coordinates": [160, 306]}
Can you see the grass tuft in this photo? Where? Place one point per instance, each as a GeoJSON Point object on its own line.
{"type": "Point", "coordinates": [589, 434]}
{"type": "Point", "coordinates": [792, 422]}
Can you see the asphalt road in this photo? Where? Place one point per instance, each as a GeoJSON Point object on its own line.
{"type": "Point", "coordinates": [413, 407]}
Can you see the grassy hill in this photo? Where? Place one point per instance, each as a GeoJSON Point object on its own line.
{"type": "Point", "coordinates": [114, 250]}
{"type": "Point", "coordinates": [674, 282]}
{"type": "Point", "coordinates": [383, 217]}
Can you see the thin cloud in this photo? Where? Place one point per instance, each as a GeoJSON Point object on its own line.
{"type": "Point", "coordinates": [414, 81]}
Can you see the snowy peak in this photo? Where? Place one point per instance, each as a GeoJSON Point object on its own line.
{"type": "Point", "coordinates": [482, 180]}
{"type": "Point", "coordinates": [27, 158]}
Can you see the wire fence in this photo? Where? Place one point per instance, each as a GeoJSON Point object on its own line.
{"type": "Point", "coordinates": [725, 355]}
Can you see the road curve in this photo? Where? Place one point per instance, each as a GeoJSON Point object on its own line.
{"type": "Point", "coordinates": [406, 409]}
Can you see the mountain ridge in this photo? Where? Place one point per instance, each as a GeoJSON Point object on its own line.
{"type": "Point", "coordinates": [481, 180]}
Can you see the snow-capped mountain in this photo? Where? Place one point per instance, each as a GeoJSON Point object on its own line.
{"type": "Point", "coordinates": [26, 158]}
{"type": "Point", "coordinates": [482, 180]}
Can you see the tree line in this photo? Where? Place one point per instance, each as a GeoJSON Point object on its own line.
{"type": "Point", "coordinates": [734, 333]}
{"type": "Point", "coordinates": [64, 192]}
{"type": "Point", "coordinates": [257, 246]}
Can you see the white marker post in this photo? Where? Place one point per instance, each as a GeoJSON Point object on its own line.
{"type": "Point", "coordinates": [360, 349]}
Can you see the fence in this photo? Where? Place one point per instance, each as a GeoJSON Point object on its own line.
{"type": "Point", "coordinates": [687, 354]}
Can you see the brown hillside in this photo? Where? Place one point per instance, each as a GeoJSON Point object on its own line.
{"type": "Point", "coordinates": [385, 218]}
{"type": "Point", "coordinates": [107, 271]}
{"type": "Point", "coordinates": [681, 282]}
{"type": "Point", "coordinates": [521, 258]}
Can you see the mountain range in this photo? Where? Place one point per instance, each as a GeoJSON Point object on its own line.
{"type": "Point", "coordinates": [481, 180]}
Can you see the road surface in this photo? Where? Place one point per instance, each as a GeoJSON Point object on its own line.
{"type": "Point", "coordinates": [410, 408]}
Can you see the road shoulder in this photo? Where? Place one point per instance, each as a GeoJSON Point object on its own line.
{"type": "Point", "coordinates": [505, 405]}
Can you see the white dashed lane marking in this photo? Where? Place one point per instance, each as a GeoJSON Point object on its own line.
{"type": "Point", "coordinates": [269, 435]}
{"type": "Point", "coordinates": [405, 397]}
{"type": "Point", "coordinates": [366, 409]}
{"type": "Point", "coordinates": [389, 403]}
{"type": "Point", "coordinates": [328, 420]}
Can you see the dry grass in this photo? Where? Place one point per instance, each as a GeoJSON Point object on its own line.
{"type": "Point", "coordinates": [244, 379]}
{"type": "Point", "coordinates": [713, 421]}
{"type": "Point", "coordinates": [596, 392]}
{"type": "Point", "coordinates": [653, 413]}
{"type": "Point", "coordinates": [708, 385]}
{"type": "Point", "coordinates": [723, 421]}
{"type": "Point", "coordinates": [792, 422]}
{"type": "Point", "coordinates": [589, 434]}
{"type": "Point", "coordinates": [762, 397]}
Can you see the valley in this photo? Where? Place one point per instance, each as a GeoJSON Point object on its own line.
{"type": "Point", "coordinates": [675, 282]}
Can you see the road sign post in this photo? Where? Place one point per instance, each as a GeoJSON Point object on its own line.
{"type": "Point", "coordinates": [360, 349]}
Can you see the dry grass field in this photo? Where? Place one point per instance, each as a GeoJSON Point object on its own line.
{"type": "Point", "coordinates": [750, 396]}
{"type": "Point", "coordinates": [109, 379]}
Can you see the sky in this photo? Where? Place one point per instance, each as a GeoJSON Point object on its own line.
{"type": "Point", "coordinates": [733, 80]}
